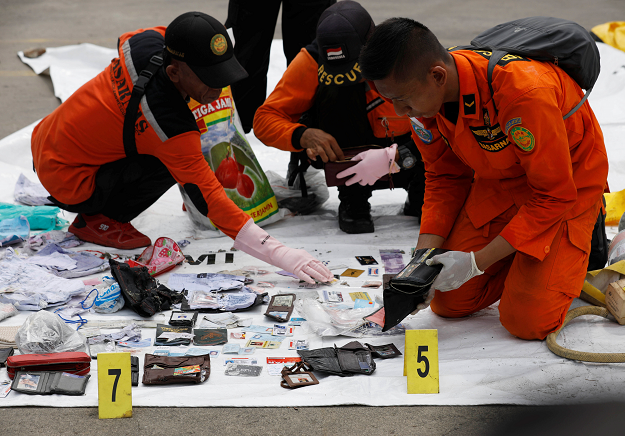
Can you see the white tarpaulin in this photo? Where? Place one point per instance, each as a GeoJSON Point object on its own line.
{"type": "Point", "coordinates": [480, 362]}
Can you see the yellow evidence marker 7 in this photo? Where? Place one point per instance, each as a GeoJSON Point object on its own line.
{"type": "Point", "coordinates": [114, 385]}
{"type": "Point", "coordinates": [421, 361]}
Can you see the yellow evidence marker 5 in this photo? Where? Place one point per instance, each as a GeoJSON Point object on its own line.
{"type": "Point", "coordinates": [421, 361]}
{"type": "Point", "coordinates": [114, 385]}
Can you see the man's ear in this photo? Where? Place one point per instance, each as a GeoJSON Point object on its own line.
{"type": "Point", "coordinates": [173, 71]}
{"type": "Point", "coordinates": [438, 72]}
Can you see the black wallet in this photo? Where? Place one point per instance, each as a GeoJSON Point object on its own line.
{"type": "Point", "coordinates": [134, 370]}
{"type": "Point", "coordinates": [5, 353]}
{"type": "Point", "coordinates": [183, 318]}
{"type": "Point", "coordinates": [410, 287]}
{"type": "Point", "coordinates": [49, 382]}
{"type": "Point", "coordinates": [352, 358]}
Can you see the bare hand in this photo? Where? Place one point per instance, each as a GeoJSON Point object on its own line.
{"type": "Point", "coordinates": [319, 143]}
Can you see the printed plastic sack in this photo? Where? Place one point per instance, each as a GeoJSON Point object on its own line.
{"type": "Point", "coordinates": [230, 156]}
{"type": "Point", "coordinates": [45, 332]}
{"type": "Point", "coordinates": [161, 257]}
{"type": "Point", "coordinates": [110, 298]}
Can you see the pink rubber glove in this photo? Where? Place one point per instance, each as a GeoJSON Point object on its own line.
{"type": "Point", "coordinates": [373, 165]}
{"type": "Point", "coordinates": [256, 242]}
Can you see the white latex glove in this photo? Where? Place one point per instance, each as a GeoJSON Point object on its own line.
{"type": "Point", "coordinates": [373, 164]}
{"type": "Point", "coordinates": [458, 268]}
{"type": "Point", "coordinates": [256, 242]}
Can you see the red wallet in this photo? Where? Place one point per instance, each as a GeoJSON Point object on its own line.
{"type": "Point", "coordinates": [72, 362]}
{"type": "Point", "coordinates": [331, 169]}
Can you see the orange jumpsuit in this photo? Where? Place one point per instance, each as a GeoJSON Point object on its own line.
{"type": "Point", "coordinates": [85, 132]}
{"type": "Point", "coordinates": [276, 120]}
{"type": "Point", "coordinates": [525, 174]}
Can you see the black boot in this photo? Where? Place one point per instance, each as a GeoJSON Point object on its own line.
{"type": "Point", "coordinates": [355, 210]}
{"type": "Point", "coordinates": [414, 201]}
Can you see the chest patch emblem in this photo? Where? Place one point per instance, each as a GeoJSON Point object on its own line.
{"type": "Point", "coordinates": [523, 138]}
{"type": "Point", "coordinates": [490, 138]}
{"type": "Point", "coordinates": [424, 134]}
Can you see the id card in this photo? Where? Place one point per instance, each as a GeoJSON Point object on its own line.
{"type": "Point", "coordinates": [187, 370]}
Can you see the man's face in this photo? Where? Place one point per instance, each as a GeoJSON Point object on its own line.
{"type": "Point", "coordinates": [412, 96]}
{"type": "Point", "coordinates": [190, 84]}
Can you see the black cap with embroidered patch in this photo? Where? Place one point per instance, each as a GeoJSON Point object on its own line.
{"type": "Point", "coordinates": [203, 43]}
{"type": "Point", "coordinates": [342, 30]}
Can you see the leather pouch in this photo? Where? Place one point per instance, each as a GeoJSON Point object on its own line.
{"type": "Point", "coordinates": [352, 358]}
{"type": "Point", "coordinates": [78, 363]}
{"type": "Point", "coordinates": [165, 370]}
{"type": "Point", "coordinates": [331, 169]}
{"type": "Point", "coordinates": [410, 287]}
{"type": "Point", "coordinates": [5, 353]}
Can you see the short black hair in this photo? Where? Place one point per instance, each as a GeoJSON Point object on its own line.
{"type": "Point", "coordinates": [403, 47]}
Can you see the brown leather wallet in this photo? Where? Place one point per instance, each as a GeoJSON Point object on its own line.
{"type": "Point", "coordinates": [333, 168]}
{"type": "Point", "coordinates": [165, 370]}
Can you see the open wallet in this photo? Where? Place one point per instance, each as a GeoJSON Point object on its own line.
{"type": "Point", "coordinates": [409, 288]}
{"type": "Point", "coordinates": [49, 382]}
{"type": "Point", "coordinates": [331, 169]}
{"type": "Point", "coordinates": [297, 376]}
{"type": "Point", "coordinates": [165, 370]}
{"type": "Point", "coordinates": [352, 358]}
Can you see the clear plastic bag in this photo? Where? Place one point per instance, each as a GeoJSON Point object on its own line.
{"type": "Point", "coordinates": [44, 332]}
{"type": "Point", "coordinates": [290, 197]}
{"type": "Point", "coordinates": [327, 321]}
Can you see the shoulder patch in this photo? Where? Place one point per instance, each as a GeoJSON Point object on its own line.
{"type": "Point", "coordinates": [513, 122]}
{"type": "Point", "coordinates": [469, 104]}
{"type": "Point", "coordinates": [523, 138]}
{"type": "Point", "coordinates": [424, 134]}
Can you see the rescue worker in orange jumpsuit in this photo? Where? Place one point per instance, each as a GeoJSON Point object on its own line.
{"type": "Point", "coordinates": [83, 159]}
{"type": "Point", "coordinates": [322, 106]}
{"type": "Point", "coordinates": [514, 194]}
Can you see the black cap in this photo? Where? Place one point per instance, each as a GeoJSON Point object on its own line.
{"type": "Point", "coordinates": [203, 43]}
{"type": "Point", "coordinates": [342, 30]}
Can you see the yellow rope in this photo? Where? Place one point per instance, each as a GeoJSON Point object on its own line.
{"type": "Point", "coordinates": [582, 355]}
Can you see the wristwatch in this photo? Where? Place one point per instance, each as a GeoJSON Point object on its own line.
{"type": "Point", "coordinates": [406, 158]}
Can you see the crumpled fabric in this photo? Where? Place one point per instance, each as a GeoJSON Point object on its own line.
{"type": "Point", "coordinates": [29, 193]}
{"type": "Point", "coordinates": [58, 237]}
{"type": "Point", "coordinates": [31, 287]}
{"type": "Point", "coordinates": [45, 332]}
{"type": "Point", "coordinates": [86, 263]}
{"type": "Point", "coordinates": [142, 292]}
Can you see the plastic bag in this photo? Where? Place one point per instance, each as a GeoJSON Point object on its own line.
{"type": "Point", "coordinates": [327, 321]}
{"type": "Point", "coordinates": [14, 230]}
{"type": "Point", "coordinates": [110, 298]}
{"type": "Point", "coordinates": [39, 217]}
{"type": "Point", "coordinates": [230, 156]}
{"type": "Point", "coordinates": [44, 332]}
{"type": "Point", "coordinates": [290, 197]}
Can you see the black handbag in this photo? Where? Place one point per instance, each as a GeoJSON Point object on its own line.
{"type": "Point", "coordinates": [409, 288]}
